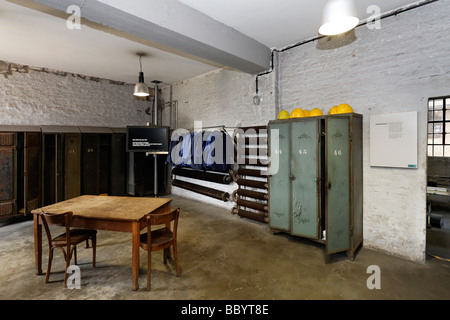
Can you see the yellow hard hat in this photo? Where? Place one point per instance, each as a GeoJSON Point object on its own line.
{"type": "Point", "coordinates": [306, 113]}
{"type": "Point", "coordinates": [315, 112]}
{"type": "Point", "coordinates": [297, 113]}
{"type": "Point", "coordinates": [283, 115]}
{"type": "Point", "coordinates": [333, 110]}
{"type": "Point", "coordinates": [345, 108]}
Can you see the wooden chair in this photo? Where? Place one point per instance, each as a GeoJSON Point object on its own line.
{"type": "Point", "coordinates": [66, 242]}
{"type": "Point", "coordinates": [161, 238]}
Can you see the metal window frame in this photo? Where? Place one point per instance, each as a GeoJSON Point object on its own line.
{"type": "Point", "coordinates": [443, 122]}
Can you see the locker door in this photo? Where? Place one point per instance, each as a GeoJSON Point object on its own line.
{"type": "Point", "coordinates": [338, 184]}
{"type": "Point", "coordinates": [91, 164]}
{"type": "Point", "coordinates": [7, 174]}
{"type": "Point", "coordinates": [279, 183]}
{"type": "Point", "coordinates": [72, 167]}
{"type": "Point", "coordinates": [305, 185]}
{"type": "Point", "coordinates": [118, 165]}
{"type": "Point", "coordinates": [32, 171]}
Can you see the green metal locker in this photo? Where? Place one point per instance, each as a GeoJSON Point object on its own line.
{"type": "Point", "coordinates": [279, 186]}
{"type": "Point", "coordinates": [317, 191]}
{"type": "Point", "coordinates": [337, 200]}
{"type": "Point", "coordinates": [305, 177]}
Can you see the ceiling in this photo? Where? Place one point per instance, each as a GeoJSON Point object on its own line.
{"type": "Point", "coordinates": [35, 34]}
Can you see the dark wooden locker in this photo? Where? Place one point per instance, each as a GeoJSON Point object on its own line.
{"type": "Point", "coordinates": [118, 165]}
{"type": "Point", "coordinates": [105, 164]}
{"type": "Point", "coordinates": [90, 163]}
{"type": "Point", "coordinates": [7, 174]}
{"type": "Point", "coordinates": [72, 165]}
{"type": "Point", "coordinates": [32, 171]}
{"type": "Point", "coordinates": [53, 157]}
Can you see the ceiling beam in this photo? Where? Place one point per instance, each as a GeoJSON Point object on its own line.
{"type": "Point", "coordinates": [177, 28]}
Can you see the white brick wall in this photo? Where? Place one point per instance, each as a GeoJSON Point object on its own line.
{"type": "Point", "coordinates": [47, 98]}
{"type": "Point", "coordinates": [393, 69]}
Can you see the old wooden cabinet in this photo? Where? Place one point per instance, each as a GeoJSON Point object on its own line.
{"type": "Point", "coordinates": [316, 192]}
{"type": "Point", "coordinates": [20, 161]}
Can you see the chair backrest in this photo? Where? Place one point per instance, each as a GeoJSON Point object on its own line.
{"type": "Point", "coordinates": [60, 219]}
{"type": "Point", "coordinates": [164, 218]}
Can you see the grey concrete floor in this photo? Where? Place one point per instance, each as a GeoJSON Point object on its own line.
{"type": "Point", "coordinates": [222, 257]}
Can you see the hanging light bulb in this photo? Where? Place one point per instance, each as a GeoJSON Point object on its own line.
{"type": "Point", "coordinates": [140, 88]}
{"type": "Point", "coordinates": [339, 16]}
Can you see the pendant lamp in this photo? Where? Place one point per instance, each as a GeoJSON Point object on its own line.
{"type": "Point", "coordinates": [140, 88]}
{"type": "Point", "coordinates": [339, 16]}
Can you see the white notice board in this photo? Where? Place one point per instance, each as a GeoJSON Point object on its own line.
{"type": "Point", "coordinates": [393, 140]}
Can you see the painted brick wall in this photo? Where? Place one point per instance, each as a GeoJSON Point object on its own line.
{"type": "Point", "coordinates": [31, 97]}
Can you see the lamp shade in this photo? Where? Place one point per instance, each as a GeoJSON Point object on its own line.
{"type": "Point", "coordinates": [140, 88]}
{"type": "Point", "coordinates": [339, 16]}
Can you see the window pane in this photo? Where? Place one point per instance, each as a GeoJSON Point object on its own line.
{"type": "Point", "coordinates": [430, 115]}
{"type": "Point", "coordinates": [438, 104]}
{"type": "Point", "coordinates": [447, 115]}
{"type": "Point", "coordinates": [438, 139]}
{"type": "Point", "coordinates": [430, 104]}
{"type": "Point", "coordinates": [438, 151]}
{"type": "Point", "coordinates": [447, 127]}
{"type": "Point", "coordinates": [430, 151]}
{"type": "Point", "coordinates": [430, 138]}
{"type": "Point", "coordinates": [447, 138]}
{"type": "Point", "coordinates": [447, 151]}
{"type": "Point", "coordinates": [437, 128]}
{"type": "Point", "coordinates": [430, 128]}
{"type": "Point", "coordinates": [447, 104]}
{"type": "Point", "coordinates": [438, 115]}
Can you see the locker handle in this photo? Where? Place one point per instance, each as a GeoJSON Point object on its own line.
{"type": "Point", "coordinates": [291, 177]}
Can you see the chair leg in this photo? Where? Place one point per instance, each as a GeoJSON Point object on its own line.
{"type": "Point", "coordinates": [94, 244]}
{"type": "Point", "coordinates": [49, 264]}
{"type": "Point", "coordinates": [75, 254]}
{"type": "Point", "coordinates": [68, 258]}
{"type": "Point", "coordinates": [175, 258]}
{"type": "Point", "coordinates": [166, 254]}
{"type": "Point", "coordinates": [149, 269]}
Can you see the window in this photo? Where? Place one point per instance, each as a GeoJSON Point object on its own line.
{"type": "Point", "coordinates": [439, 127]}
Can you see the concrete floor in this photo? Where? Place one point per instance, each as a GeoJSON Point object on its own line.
{"type": "Point", "coordinates": [222, 257]}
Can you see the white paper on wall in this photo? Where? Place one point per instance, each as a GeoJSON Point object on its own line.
{"type": "Point", "coordinates": [393, 140]}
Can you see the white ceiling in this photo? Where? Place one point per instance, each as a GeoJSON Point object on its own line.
{"type": "Point", "coordinates": [36, 35]}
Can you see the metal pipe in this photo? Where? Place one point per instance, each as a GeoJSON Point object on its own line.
{"type": "Point", "coordinates": [253, 205]}
{"type": "Point", "coordinates": [203, 175]}
{"type": "Point", "coordinates": [261, 217]}
{"type": "Point", "coordinates": [252, 183]}
{"type": "Point", "coordinates": [213, 193]}
{"type": "Point", "coordinates": [250, 194]}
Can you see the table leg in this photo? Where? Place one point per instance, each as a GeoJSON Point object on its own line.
{"type": "Point", "coordinates": [135, 228]}
{"type": "Point", "coordinates": [37, 244]}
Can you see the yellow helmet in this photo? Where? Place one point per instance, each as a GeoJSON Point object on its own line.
{"type": "Point", "coordinates": [315, 112]}
{"type": "Point", "coordinates": [333, 110]}
{"type": "Point", "coordinates": [283, 115]}
{"type": "Point", "coordinates": [345, 108]}
{"type": "Point", "coordinates": [297, 113]}
{"type": "Point", "coordinates": [306, 113]}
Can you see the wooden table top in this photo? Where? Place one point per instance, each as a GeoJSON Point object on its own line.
{"type": "Point", "coordinates": [107, 207]}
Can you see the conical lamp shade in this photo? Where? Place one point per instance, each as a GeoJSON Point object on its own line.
{"type": "Point", "coordinates": [140, 88]}
{"type": "Point", "coordinates": [339, 16]}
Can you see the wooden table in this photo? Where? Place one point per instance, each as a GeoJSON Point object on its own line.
{"type": "Point", "coordinates": [104, 213]}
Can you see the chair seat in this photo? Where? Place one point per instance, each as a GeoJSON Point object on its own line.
{"type": "Point", "coordinates": [76, 236]}
{"type": "Point", "coordinates": [159, 237]}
